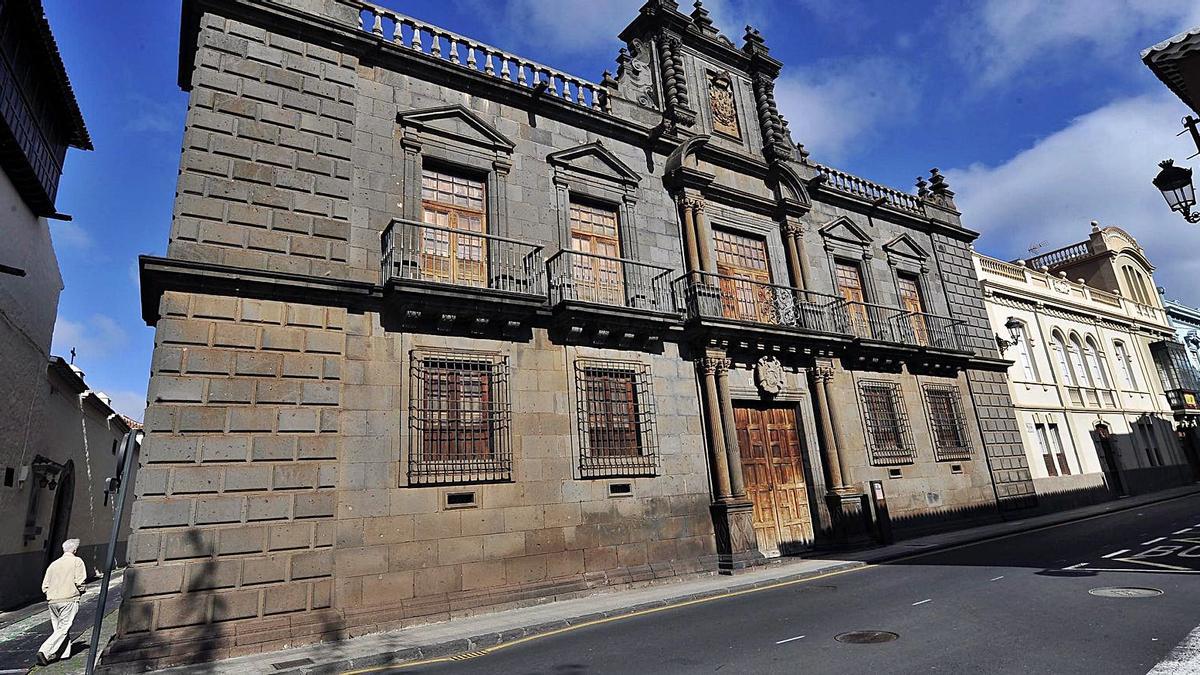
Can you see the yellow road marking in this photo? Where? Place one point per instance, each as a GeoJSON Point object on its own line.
{"type": "Point", "coordinates": [596, 622]}
{"type": "Point", "coordinates": [686, 603]}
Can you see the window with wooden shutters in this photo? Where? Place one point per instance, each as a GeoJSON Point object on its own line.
{"type": "Point", "coordinates": [460, 417]}
{"type": "Point", "coordinates": [947, 423]}
{"type": "Point", "coordinates": [616, 419]}
{"type": "Point", "coordinates": [594, 231]}
{"type": "Point", "coordinates": [1053, 455]}
{"type": "Point", "coordinates": [455, 205]}
{"type": "Point", "coordinates": [889, 436]}
{"type": "Point", "coordinates": [850, 287]}
{"type": "Point", "coordinates": [743, 261]}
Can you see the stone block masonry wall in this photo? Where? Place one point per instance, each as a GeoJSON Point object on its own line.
{"type": "Point", "coordinates": [989, 389]}
{"type": "Point", "coordinates": [264, 181]}
{"type": "Point", "coordinates": [235, 511]}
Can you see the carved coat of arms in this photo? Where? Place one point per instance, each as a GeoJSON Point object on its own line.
{"type": "Point", "coordinates": [724, 108]}
{"type": "Point", "coordinates": [769, 376]}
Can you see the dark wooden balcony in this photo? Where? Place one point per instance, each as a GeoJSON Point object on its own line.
{"type": "Point", "coordinates": [603, 298]}
{"type": "Point", "coordinates": [457, 274]}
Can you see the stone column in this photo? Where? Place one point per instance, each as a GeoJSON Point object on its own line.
{"type": "Point", "coordinates": [716, 435]}
{"type": "Point", "coordinates": [793, 239]}
{"type": "Point", "coordinates": [832, 414]}
{"type": "Point", "coordinates": [833, 463]}
{"type": "Point", "coordinates": [733, 456]}
{"type": "Point", "coordinates": [689, 233]}
{"type": "Point", "coordinates": [703, 234]}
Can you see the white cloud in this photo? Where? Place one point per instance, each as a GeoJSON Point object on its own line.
{"type": "Point", "coordinates": [835, 106]}
{"type": "Point", "coordinates": [1005, 37]}
{"type": "Point", "coordinates": [544, 29]}
{"type": "Point", "coordinates": [94, 339]}
{"type": "Point", "coordinates": [1098, 167]}
{"type": "Point", "coordinates": [69, 234]}
{"type": "Point", "coordinates": [128, 403]}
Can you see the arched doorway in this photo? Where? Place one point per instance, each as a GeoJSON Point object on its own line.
{"type": "Point", "coordinates": [60, 517]}
{"type": "Point", "coordinates": [1102, 436]}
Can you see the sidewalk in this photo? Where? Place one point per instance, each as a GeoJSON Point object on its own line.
{"type": "Point", "coordinates": [485, 630]}
{"type": "Point", "coordinates": [23, 630]}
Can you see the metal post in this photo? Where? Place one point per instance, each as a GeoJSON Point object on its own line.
{"type": "Point", "coordinates": [124, 483]}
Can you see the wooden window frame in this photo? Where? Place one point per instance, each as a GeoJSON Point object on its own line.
{"type": "Point", "coordinates": [947, 423]}
{"type": "Point", "coordinates": [618, 434]}
{"type": "Point", "coordinates": [458, 437]}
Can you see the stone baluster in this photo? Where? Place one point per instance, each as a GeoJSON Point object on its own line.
{"type": "Point", "coordinates": [377, 27]}
{"type": "Point", "coordinates": [579, 98]}
{"type": "Point", "coordinates": [435, 44]}
{"type": "Point", "coordinates": [488, 66]}
{"type": "Point", "coordinates": [397, 34]}
{"type": "Point", "coordinates": [566, 92]}
{"type": "Point", "coordinates": [504, 72]}
{"type": "Point", "coordinates": [471, 62]}
{"type": "Point", "coordinates": [453, 49]}
{"type": "Point", "coordinates": [416, 38]}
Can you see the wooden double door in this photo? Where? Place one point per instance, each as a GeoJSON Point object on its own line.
{"type": "Point", "coordinates": [772, 455]}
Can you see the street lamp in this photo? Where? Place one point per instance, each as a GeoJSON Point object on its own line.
{"type": "Point", "coordinates": [1175, 183]}
{"type": "Point", "coordinates": [1014, 333]}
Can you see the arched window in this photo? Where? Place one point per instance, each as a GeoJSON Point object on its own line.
{"type": "Point", "coordinates": [1075, 353]}
{"type": "Point", "coordinates": [1143, 288]}
{"type": "Point", "coordinates": [1137, 288]}
{"type": "Point", "coordinates": [1025, 354]}
{"type": "Point", "coordinates": [1125, 364]}
{"type": "Point", "coordinates": [1060, 353]}
{"type": "Point", "coordinates": [1091, 356]}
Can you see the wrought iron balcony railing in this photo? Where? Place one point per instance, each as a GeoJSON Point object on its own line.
{"type": "Point", "coordinates": [576, 276]}
{"type": "Point", "coordinates": [891, 324]}
{"type": "Point", "coordinates": [703, 295]}
{"type": "Point", "coordinates": [415, 251]}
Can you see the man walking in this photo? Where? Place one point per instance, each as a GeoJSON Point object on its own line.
{"type": "Point", "coordinates": [63, 585]}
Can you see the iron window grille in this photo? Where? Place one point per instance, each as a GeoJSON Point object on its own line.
{"type": "Point", "coordinates": [889, 436]}
{"type": "Point", "coordinates": [617, 434]}
{"type": "Point", "coordinates": [460, 419]}
{"type": "Point", "coordinates": [947, 423]}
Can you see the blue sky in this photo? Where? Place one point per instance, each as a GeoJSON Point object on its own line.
{"type": "Point", "coordinates": [1040, 113]}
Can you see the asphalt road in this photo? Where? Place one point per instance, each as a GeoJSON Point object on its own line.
{"type": "Point", "coordinates": [1019, 604]}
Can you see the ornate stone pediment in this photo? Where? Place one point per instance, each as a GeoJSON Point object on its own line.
{"type": "Point", "coordinates": [593, 159]}
{"type": "Point", "coordinates": [905, 249]}
{"type": "Point", "coordinates": [843, 230]}
{"type": "Point", "coordinates": [456, 123]}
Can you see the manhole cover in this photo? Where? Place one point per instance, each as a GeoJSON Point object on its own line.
{"type": "Point", "coordinates": [866, 637]}
{"type": "Point", "coordinates": [1125, 592]}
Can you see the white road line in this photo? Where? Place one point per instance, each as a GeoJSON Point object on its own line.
{"type": "Point", "coordinates": [1138, 571]}
{"type": "Point", "coordinates": [922, 602]}
{"type": "Point", "coordinates": [789, 639]}
{"type": "Point", "coordinates": [1076, 566]}
{"type": "Point", "coordinates": [1116, 553]}
{"type": "Point", "coordinates": [1152, 541]}
{"type": "Point", "coordinates": [997, 578]}
{"type": "Point", "coordinates": [1183, 531]}
{"type": "Point", "coordinates": [1184, 659]}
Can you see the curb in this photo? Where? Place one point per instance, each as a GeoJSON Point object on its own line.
{"type": "Point", "coordinates": [486, 640]}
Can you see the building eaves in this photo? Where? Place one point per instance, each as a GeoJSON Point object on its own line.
{"type": "Point", "coordinates": [1164, 60]}
{"type": "Point", "coordinates": [79, 137]}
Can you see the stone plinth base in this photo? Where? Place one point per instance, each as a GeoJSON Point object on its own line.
{"type": "Point", "coordinates": [850, 517]}
{"type": "Point", "coordinates": [737, 546]}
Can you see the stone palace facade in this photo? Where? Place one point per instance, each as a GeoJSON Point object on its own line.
{"type": "Point", "coordinates": [441, 328]}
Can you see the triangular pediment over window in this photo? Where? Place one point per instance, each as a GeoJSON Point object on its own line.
{"type": "Point", "coordinates": [905, 246]}
{"type": "Point", "coordinates": [457, 123]}
{"type": "Point", "coordinates": [844, 230]}
{"type": "Point", "coordinates": [595, 160]}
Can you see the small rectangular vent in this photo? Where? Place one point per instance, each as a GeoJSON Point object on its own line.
{"type": "Point", "coordinates": [620, 489]}
{"type": "Point", "coordinates": [956, 468]}
{"type": "Point", "coordinates": [9, 476]}
{"type": "Point", "coordinates": [461, 500]}
{"type": "Point", "coordinates": [894, 473]}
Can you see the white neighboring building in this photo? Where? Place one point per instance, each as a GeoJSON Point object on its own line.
{"type": "Point", "coordinates": [1095, 420]}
